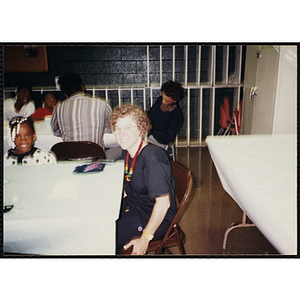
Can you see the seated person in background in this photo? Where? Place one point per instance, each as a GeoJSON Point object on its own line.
{"type": "Point", "coordinates": [148, 205]}
{"type": "Point", "coordinates": [49, 101]}
{"type": "Point", "coordinates": [80, 117]}
{"type": "Point", "coordinates": [22, 142]}
{"type": "Point", "coordinates": [21, 105]}
{"type": "Point", "coordinates": [165, 115]}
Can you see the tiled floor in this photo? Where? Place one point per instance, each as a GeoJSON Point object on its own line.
{"type": "Point", "coordinates": [210, 211]}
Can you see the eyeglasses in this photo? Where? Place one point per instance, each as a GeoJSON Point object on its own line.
{"type": "Point", "coordinates": [127, 129]}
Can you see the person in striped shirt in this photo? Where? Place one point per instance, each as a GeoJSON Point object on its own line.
{"type": "Point", "coordinates": [80, 117]}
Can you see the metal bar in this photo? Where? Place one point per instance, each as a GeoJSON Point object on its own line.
{"type": "Point", "coordinates": [131, 93]}
{"type": "Point", "coordinates": [213, 111]}
{"type": "Point", "coordinates": [119, 94]}
{"type": "Point", "coordinates": [190, 146]}
{"type": "Point", "coordinates": [106, 95]}
{"type": "Point", "coordinates": [160, 65]}
{"type": "Point", "coordinates": [124, 88]}
{"type": "Point", "coordinates": [136, 88]}
{"type": "Point", "coordinates": [240, 64]}
{"type": "Point", "coordinates": [188, 117]}
{"type": "Point", "coordinates": [199, 66]}
{"type": "Point", "coordinates": [213, 63]}
{"type": "Point", "coordinates": [173, 64]}
{"type": "Point", "coordinates": [200, 115]}
{"type": "Point", "coordinates": [186, 65]}
{"type": "Point", "coordinates": [148, 67]}
{"type": "Point", "coordinates": [144, 94]}
{"type": "Point", "coordinates": [212, 66]}
{"type": "Point", "coordinates": [151, 96]}
{"type": "Point", "coordinates": [239, 75]}
{"type": "Point", "coordinates": [226, 64]}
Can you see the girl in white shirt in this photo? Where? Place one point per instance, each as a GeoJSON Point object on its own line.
{"type": "Point", "coordinates": [22, 142]}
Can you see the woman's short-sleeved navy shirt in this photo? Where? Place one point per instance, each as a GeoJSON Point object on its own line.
{"type": "Point", "coordinates": [152, 177]}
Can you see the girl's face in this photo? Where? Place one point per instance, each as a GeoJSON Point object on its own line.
{"type": "Point", "coordinates": [127, 134]}
{"type": "Point", "coordinates": [24, 139]}
{"type": "Point", "coordinates": [50, 101]}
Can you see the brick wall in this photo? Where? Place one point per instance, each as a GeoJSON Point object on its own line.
{"type": "Point", "coordinates": [104, 65]}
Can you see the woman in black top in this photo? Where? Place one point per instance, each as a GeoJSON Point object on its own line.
{"type": "Point", "coordinates": [165, 115]}
{"type": "Point", "coordinates": [148, 204]}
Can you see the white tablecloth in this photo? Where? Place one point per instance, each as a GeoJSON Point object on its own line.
{"type": "Point", "coordinates": [46, 139]}
{"type": "Point", "coordinates": [259, 173]}
{"type": "Point", "coordinates": [58, 212]}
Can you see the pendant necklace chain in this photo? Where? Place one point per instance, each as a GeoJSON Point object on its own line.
{"type": "Point", "coordinates": [128, 175]}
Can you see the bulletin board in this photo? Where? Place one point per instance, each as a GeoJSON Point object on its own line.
{"type": "Point", "coordinates": [25, 58]}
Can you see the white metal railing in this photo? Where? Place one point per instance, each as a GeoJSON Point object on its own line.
{"type": "Point", "coordinates": [151, 88]}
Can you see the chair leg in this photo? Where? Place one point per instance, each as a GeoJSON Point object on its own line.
{"type": "Point", "coordinates": [167, 251]}
{"type": "Point", "coordinates": [179, 243]}
{"type": "Point", "coordinates": [220, 131]}
{"type": "Point", "coordinates": [181, 248]}
{"type": "Point", "coordinates": [159, 251]}
{"type": "Point", "coordinates": [228, 129]}
{"type": "Point", "coordinates": [173, 152]}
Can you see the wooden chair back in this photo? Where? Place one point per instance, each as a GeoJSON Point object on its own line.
{"type": "Point", "coordinates": [77, 150]}
{"type": "Point", "coordinates": [183, 189]}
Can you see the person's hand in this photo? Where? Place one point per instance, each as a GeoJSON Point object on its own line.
{"type": "Point", "coordinates": [139, 246]}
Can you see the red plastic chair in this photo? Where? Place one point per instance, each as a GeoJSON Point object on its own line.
{"type": "Point", "coordinates": [237, 119]}
{"type": "Point", "coordinates": [224, 124]}
{"type": "Point", "coordinates": [226, 109]}
{"type": "Point", "coordinates": [240, 114]}
{"type": "Point", "coordinates": [233, 124]}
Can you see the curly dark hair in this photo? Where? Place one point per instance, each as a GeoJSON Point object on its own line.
{"type": "Point", "coordinates": [139, 116]}
{"type": "Point", "coordinates": [173, 89]}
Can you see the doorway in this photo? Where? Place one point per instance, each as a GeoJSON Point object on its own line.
{"type": "Point", "coordinates": [259, 89]}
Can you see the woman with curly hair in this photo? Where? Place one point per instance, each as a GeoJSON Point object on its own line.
{"type": "Point", "coordinates": [148, 204]}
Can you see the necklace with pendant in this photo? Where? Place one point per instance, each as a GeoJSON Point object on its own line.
{"type": "Point", "coordinates": [128, 175]}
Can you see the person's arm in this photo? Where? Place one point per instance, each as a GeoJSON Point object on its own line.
{"type": "Point", "coordinates": [31, 108]}
{"type": "Point", "coordinates": [108, 112]}
{"type": "Point", "coordinates": [158, 214]}
{"type": "Point", "coordinates": [54, 123]}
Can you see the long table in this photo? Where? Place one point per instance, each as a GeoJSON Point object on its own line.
{"type": "Point", "coordinates": [259, 173]}
{"type": "Point", "coordinates": [58, 212]}
{"type": "Point", "coordinates": [46, 139]}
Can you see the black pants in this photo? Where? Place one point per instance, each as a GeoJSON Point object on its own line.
{"type": "Point", "coordinates": [131, 224]}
